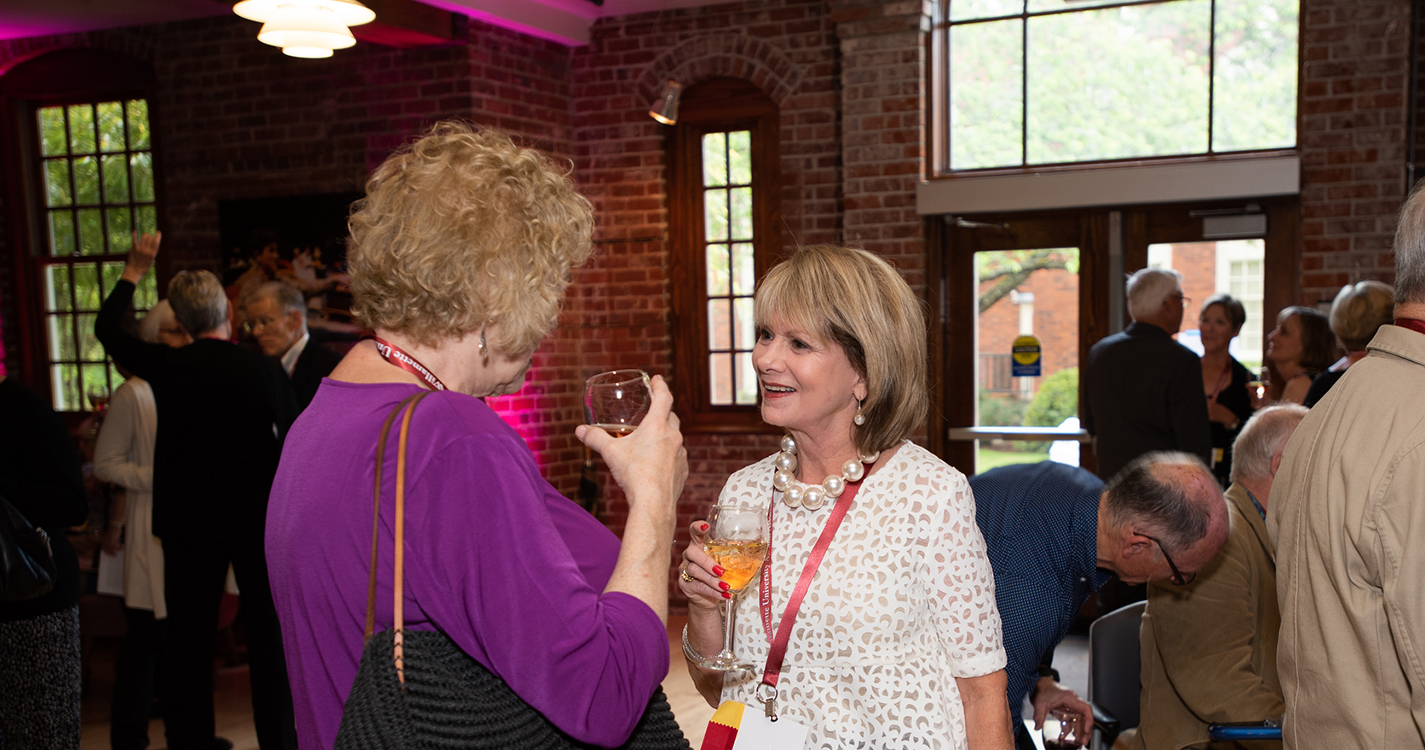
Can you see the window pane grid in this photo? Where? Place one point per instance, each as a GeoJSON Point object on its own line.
{"type": "Point", "coordinates": [1225, 71]}
{"type": "Point", "coordinates": [728, 231]}
{"type": "Point", "coordinates": [96, 164]}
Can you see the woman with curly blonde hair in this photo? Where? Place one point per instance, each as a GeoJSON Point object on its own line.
{"type": "Point", "coordinates": [461, 252]}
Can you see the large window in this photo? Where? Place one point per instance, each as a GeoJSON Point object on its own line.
{"type": "Point", "coordinates": [722, 188]}
{"type": "Point", "coordinates": [96, 162]}
{"type": "Point", "coordinates": [1039, 82]}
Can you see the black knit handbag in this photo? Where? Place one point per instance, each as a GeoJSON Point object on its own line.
{"type": "Point", "coordinates": [417, 689]}
{"type": "Point", "coordinates": [27, 567]}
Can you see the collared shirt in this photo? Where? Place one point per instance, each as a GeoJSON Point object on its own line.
{"type": "Point", "coordinates": [294, 352]}
{"type": "Point", "coordinates": [1040, 522]}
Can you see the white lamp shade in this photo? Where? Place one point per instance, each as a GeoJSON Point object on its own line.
{"type": "Point", "coordinates": [310, 53]}
{"type": "Point", "coordinates": [346, 12]}
{"type": "Point", "coordinates": [305, 31]}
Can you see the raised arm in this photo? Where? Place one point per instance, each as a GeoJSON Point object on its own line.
{"type": "Point", "coordinates": [650, 466]}
{"type": "Point", "coordinates": [135, 354]}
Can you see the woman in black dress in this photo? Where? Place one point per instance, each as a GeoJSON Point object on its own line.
{"type": "Point", "coordinates": [1223, 378]}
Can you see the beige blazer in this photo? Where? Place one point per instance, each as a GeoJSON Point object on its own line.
{"type": "Point", "coordinates": [123, 455]}
{"type": "Point", "coordinates": [1347, 515]}
{"type": "Point", "coordinates": [1209, 649]}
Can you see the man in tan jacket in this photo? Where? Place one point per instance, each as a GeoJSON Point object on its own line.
{"type": "Point", "coordinates": [1347, 515]}
{"type": "Point", "coordinates": [1209, 648]}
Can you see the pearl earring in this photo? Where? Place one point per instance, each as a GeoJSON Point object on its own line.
{"type": "Point", "coordinates": [484, 350]}
{"type": "Point", "coordinates": [860, 417]}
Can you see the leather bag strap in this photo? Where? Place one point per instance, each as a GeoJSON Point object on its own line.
{"type": "Point", "coordinates": [376, 514]}
{"type": "Point", "coordinates": [398, 607]}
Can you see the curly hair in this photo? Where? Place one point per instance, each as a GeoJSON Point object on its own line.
{"type": "Point", "coordinates": [462, 229]}
{"type": "Point", "coordinates": [857, 300]}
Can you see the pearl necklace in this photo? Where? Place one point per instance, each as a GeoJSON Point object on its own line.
{"type": "Point", "coordinates": [798, 495]}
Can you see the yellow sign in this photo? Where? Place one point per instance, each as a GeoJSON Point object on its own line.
{"type": "Point", "coordinates": [1027, 354]}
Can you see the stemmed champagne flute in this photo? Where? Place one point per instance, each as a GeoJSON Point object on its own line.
{"type": "Point", "coordinates": [737, 540]}
{"type": "Point", "coordinates": [617, 401]}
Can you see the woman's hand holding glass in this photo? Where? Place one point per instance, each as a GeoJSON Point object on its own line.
{"type": "Point", "coordinates": [722, 561]}
{"type": "Point", "coordinates": [650, 463]}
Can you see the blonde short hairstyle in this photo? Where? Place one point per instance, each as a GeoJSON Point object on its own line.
{"type": "Point", "coordinates": [462, 229]}
{"type": "Point", "coordinates": [1359, 310]}
{"type": "Point", "coordinates": [858, 301]}
{"type": "Point", "coordinates": [198, 300]}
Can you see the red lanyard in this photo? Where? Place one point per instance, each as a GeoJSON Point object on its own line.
{"type": "Point", "coordinates": [778, 651]}
{"type": "Point", "coordinates": [396, 356]}
{"type": "Point", "coordinates": [1417, 326]}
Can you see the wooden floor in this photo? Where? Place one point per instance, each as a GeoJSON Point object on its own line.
{"type": "Point", "coordinates": [233, 707]}
{"type": "Point", "coordinates": [234, 710]}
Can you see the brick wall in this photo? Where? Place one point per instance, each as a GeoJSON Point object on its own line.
{"type": "Point", "coordinates": [1056, 320]}
{"type": "Point", "coordinates": [883, 79]}
{"type": "Point", "coordinates": [1354, 56]}
{"type": "Point", "coordinates": [788, 49]}
{"type": "Point", "coordinates": [237, 119]}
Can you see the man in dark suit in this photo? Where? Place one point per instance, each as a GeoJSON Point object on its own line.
{"type": "Point", "coordinates": [1143, 390]}
{"type": "Point", "coordinates": [278, 314]}
{"type": "Point", "coordinates": [222, 413]}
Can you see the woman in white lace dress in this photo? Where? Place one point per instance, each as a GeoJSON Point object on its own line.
{"type": "Point", "coordinates": [897, 644]}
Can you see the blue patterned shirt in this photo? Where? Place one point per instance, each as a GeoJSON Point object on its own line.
{"type": "Point", "coordinates": [1040, 522]}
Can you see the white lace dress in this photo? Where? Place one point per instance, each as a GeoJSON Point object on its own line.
{"type": "Point", "coordinates": [902, 604]}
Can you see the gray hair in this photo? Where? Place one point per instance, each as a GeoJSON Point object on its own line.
{"type": "Point", "coordinates": [198, 301]}
{"type": "Point", "coordinates": [1149, 289]}
{"type": "Point", "coordinates": [154, 319]}
{"type": "Point", "coordinates": [1264, 436]}
{"type": "Point", "coordinates": [1359, 310]}
{"type": "Point", "coordinates": [287, 297]}
{"type": "Point", "coordinates": [1410, 249]}
{"type": "Point", "coordinates": [1139, 494]}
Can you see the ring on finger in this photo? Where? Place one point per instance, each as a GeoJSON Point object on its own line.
{"type": "Point", "coordinates": [684, 575]}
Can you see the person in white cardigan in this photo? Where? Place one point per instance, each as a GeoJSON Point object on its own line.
{"type": "Point", "coordinates": [123, 455]}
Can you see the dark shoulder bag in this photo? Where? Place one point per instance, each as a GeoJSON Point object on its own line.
{"type": "Point", "coordinates": [27, 566]}
{"type": "Point", "coordinates": [417, 689]}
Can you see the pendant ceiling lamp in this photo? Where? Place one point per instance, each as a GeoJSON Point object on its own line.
{"type": "Point", "coordinates": [306, 28]}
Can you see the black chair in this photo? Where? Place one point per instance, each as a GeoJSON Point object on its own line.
{"type": "Point", "coordinates": [1114, 673]}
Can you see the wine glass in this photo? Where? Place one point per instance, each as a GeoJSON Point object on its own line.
{"type": "Point", "coordinates": [737, 540]}
{"type": "Point", "coordinates": [1062, 730]}
{"type": "Point", "coordinates": [99, 404]}
{"type": "Point", "coordinates": [617, 401]}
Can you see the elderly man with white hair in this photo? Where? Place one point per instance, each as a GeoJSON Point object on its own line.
{"type": "Point", "coordinates": [1143, 390]}
{"type": "Point", "coordinates": [1348, 517]}
{"type": "Point", "coordinates": [1210, 648]}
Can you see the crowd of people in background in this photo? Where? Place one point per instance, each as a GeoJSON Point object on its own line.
{"type": "Point", "coordinates": [1269, 541]}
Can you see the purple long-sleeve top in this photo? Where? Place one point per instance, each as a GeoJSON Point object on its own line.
{"type": "Point", "coordinates": [510, 569]}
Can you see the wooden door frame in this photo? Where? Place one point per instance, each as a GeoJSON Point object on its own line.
{"type": "Point", "coordinates": [953, 337]}
{"type": "Point", "coordinates": [950, 268]}
{"type": "Point", "coordinates": [1150, 225]}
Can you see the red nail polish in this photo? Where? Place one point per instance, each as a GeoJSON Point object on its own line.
{"type": "Point", "coordinates": [718, 570]}
{"type": "Point", "coordinates": [726, 595]}
{"type": "Point", "coordinates": [723, 585]}
{"type": "Point", "coordinates": [704, 527]}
